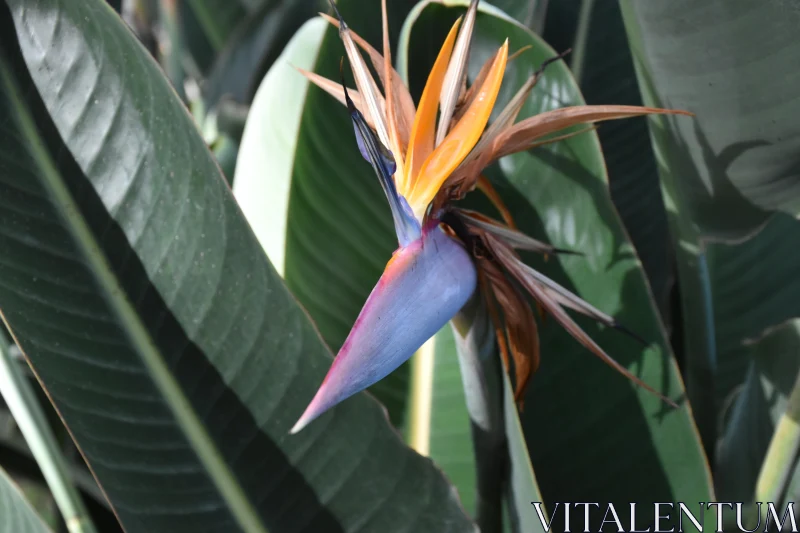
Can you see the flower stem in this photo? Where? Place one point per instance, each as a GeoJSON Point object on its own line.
{"type": "Point", "coordinates": [780, 461]}
{"type": "Point", "coordinates": [481, 375]}
{"type": "Point", "coordinates": [419, 420]}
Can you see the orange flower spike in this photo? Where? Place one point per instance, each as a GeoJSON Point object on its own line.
{"type": "Point", "coordinates": [420, 144]}
{"type": "Point", "coordinates": [461, 139]}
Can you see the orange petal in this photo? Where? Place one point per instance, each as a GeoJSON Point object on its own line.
{"type": "Point", "coordinates": [420, 143]}
{"type": "Point", "coordinates": [469, 94]}
{"type": "Point", "coordinates": [461, 139]}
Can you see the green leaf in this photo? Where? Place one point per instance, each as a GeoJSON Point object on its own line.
{"type": "Point", "coordinates": [474, 432]}
{"type": "Point", "coordinates": [756, 411]}
{"type": "Point", "coordinates": [200, 53]}
{"type": "Point", "coordinates": [524, 11]}
{"type": "Point", "coordinates": [16, 514]}
{"type": "Point", "coordinates": [601, 62]}
{"type": "Point", "coordinates": [252, 48]}
{"type": "Point", "coordinates": [270, 141]}
{"type": "Point", "coordinates": [225, 151]}
{"type": "Point", "coordinates": [738, 160]}
{"type": "Point", "coordinates": [523, 491]}
{"type": "Point", "coordinates": [449, 438]}
{"type": "Point", "coordinates": [168, 343]}
{"type": "Point", "coordinates": [22, 402]}
{"type": "Point", "coordinates": [753, 288]}
{"type": "Point", "coordinates": [730, 178]}
{"type": "Point", "coordinates": [636, 449]}
{"type": "Point", "coordinates": [219, 18]}
{"type": "Point", "coordinates": [478, 414]}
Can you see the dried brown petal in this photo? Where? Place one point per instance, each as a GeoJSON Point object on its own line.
{"type": "Point", "coordinates": [472, 91]}
{"type": "Point", "coordinates": [512, 237]}
{"type": "Point", "coordinates": [520, 136]}
{"type": "Point", "coordinates": [540, 292]}
{"type": "Point", "coordinates": [486, 187]}
{"type": "Point", "coordinates": [336, 90]}
{"type": "Point", "coordinates": [403, 103]}
{"type": "Point", "coordinates": [515, 326]}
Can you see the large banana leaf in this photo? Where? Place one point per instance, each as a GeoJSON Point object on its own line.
{"type": "Point", "coordinates": [753, 291]}
{"type": "Point", "coordinates": [755, 414]}
{"type": "Point", "coordinates": [580, 416]}
{"type": "Point", "coordinates": [602, 64]}
{"type": "Point", "coordinates": [16, 514]}
{"type": "Point", "coordinates": [731, 182]}
{"type": "Point", "coordinates": [742, 150]}
{"type": "Point", "coordinates": [143, 301]}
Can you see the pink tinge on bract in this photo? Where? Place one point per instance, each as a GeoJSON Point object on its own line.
{"type": "Point", "coordinates": [423, 286]}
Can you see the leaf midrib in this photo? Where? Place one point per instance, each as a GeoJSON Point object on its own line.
{"type": "Point", "coordinates": [141, 341]}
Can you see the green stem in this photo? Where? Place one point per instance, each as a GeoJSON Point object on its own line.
{"type": "Point", "coordinates": [29, 415]}
{"type": "Point", "coordinates": [537, 13]}
{"type": "Point", "coordinates": [171, 51]}
{"type": "Point", "coordinates": [421, 398]}
{"type": "Point", "coordinates": [482, 375]}
{"type": "Point", "coordinates": [210, 23]}
{"type": "Point", "coordinates": [581, 39]}
{"type": "Point", "coordinates": [780, 460]}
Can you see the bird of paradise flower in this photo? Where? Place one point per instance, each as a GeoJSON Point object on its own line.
{"type": "Point", "coordinates": [447, 253]}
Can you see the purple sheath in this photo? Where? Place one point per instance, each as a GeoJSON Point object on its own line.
{"type": "Point", "coordinates": [423, 286]}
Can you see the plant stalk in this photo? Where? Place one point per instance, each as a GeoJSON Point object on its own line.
{"type": "Point", "coordinates": [581, 39]}
{"type": "Point", "coordinates": [21, 399]}
{"type": "Point", "coordinates": [419, 423]}
{"type": "Point", "coordinates": [482, 379]}
{"type": "Point", "coordinates": [781, 458]}
{"type": "Point", "coordinates": [170, 45]}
